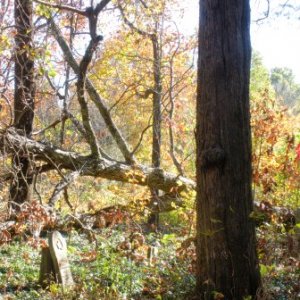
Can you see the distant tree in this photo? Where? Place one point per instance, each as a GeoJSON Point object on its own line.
{"type": "Point", "coordinates": [226, 245]}
{"type": "Point", "coordinates": [260, 77]}
{"type": "Point", "coordinates": [286, 89]}
{"type": "Point", "coordinates": [152, 24]}
{"type": "Point", "coordinates": [155, 91]}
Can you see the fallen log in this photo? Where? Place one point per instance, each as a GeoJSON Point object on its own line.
{"type": "Point", "coordinates": [87, 165]}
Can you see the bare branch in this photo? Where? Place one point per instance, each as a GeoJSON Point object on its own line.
{"type": "Point", "coordinates": [66, 114]}
{"type": "Point", "coordinates": [143, 3]}
{"type": "Point", "coordinates": [52, 125]}
{"type": "Point", "coordinates": [131, 25]}
{"type": "Point", "coordinates": [67, 199]}
{"type": "Point", "coordinates": [75, 122]}
{"type": "Point", "coordinates": [60, 187]}
{"type": "Point", "coordinates": [266, 13]}
{"type": "Point", "coordinates": [62, 7]}
{"type": "Point", "coordinates": [141, 138]}
{"type": "Point", "coordinates": [101, 5]}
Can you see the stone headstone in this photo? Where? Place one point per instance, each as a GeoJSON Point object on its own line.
{"type": "Point", "coordinates": [47, 273]}
{"type": "Point", "coordinates": [55, 265]}
{"type": "Point", "coordinates": [152, 254]}
{"type": "Point", "coordinates": [59, 255]}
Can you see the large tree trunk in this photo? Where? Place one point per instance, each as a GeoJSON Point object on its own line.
{"type": "Point", "coordinates": [226, 245]}
{"type": "Point", "coordinates": [23, 99]}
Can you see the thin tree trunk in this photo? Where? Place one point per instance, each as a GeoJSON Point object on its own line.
{"type": "Point", "coordinates": [23, 99]}
{"type": "Point", "coordinates": [226, 244]}
{"type": "Point", "coordinates": [156, 128]}
{"type": "Point", "coordinates": [67, 86]}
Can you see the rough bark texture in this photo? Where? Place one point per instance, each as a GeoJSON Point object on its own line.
{"type": "Point", "coordinates": [226, 246]}
{"type": "Point", "coordinates": [23, 97]}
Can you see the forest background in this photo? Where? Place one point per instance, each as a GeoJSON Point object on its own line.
{"type": "Point", "coordinates": [145, 58]}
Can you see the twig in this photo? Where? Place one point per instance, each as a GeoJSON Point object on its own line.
{"type": "Point", "coordinates": [62, 7]}
{"type": "Point", "coordinates": [60, 187]}
{"type": "Point", "coordinates": [266, 13]}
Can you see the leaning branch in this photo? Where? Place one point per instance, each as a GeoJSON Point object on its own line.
{"type": "Point", "coordinates": [95, 97]}
{"type": "Point", "coordinates": [86, 120]}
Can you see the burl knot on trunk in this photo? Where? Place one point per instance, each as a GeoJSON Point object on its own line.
{"type": "Point", "coordinates": [212, 157]}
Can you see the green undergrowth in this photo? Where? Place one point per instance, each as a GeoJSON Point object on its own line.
{"type": "Point", "coordinates": [106, 269]}
{"type": "Point", "coordinates": [279, 253]}
{"type": "Point", "coordinates": [102, 270]}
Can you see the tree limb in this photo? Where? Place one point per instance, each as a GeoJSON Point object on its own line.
{"type": "Point", "coordinates": [132, 26]}
{"type": "Point", "coordinates": [60, 187]}
{"type": "Point", "coordinates": [62, 7]}
{"type": "Point", "coordinates": [90, 134]}
{"type": "Point", "coordinates": [95, 97]}
{"type": "Point", "coordinates": [52, 125]}
{"type": "Point", "coordinates": [89, 166]}
{"type": "Point", "coordinates": [101, 5]}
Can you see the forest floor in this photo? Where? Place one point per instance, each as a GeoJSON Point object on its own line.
{"type": "Point", "coordinates": [116, 265]}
